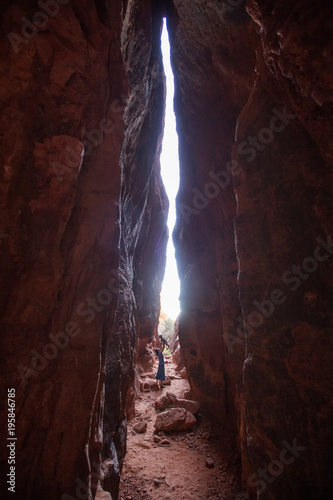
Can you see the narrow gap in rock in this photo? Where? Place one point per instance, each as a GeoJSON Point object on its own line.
{"type": "Point", "coordinates": [173, 448]}
{"type": "Point", "coordinates": [170, 176]}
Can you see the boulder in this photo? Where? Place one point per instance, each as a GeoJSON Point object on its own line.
{"type": "Point", "coordinates": [177, 419]}
{"type": "Point", "coordinates": [165, 401]}
{"type": "Point", "coordinates": [149, 386]}
{"type": "Point", "coordinates": [187, 404]}
{"type": "Point", "coordinates": [169, 400]}
{"type": "Point", "coordinates": [153, 386]}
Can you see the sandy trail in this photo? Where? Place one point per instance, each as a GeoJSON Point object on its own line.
{"type": "Point", "coordinates": [175, 468]}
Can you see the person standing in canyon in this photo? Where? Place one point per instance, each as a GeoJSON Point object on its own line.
{"type": "Point", "coordinates": [160, 375]}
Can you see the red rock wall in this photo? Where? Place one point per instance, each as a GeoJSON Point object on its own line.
{"type": "Point", "coordinates": [143, 213]}
{"type": "Point", "coordinates": [82, 232]}
{"type": "Point", "coordinates": [255, 90]}
{"type": "Point", "coordinates": [213, 57]}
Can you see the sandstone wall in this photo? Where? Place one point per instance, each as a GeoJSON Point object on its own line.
{"type": "Point", "coordinates": [254, 105]}
{"type": "Point", "coordinates": [213, 57]}
{"type": "Point", "coordinates": [82, 232]}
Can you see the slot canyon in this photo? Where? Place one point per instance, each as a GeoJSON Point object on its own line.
{"type": "Point", "coordinates": [83, 235]}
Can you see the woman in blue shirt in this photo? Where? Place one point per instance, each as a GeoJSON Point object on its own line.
{"type": "Point", "coordinates": [160, 375]}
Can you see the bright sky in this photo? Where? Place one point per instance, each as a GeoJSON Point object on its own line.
{"type": "Point", "coordinates": [170, 175]}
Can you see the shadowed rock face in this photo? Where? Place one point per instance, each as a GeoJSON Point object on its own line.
{"type": "Point", "coordinates": [256, 332]}
{"type": "Point", "coordinates": [83, 235]}
{"type": "Point", "coordinates": [213, 52]}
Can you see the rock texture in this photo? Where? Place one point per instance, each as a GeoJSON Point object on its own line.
{"type": "Point", "coordinates": [83, 232]}
{"type": "Point", "coordinates": [213, 54]}
{"type": "Point", "coordinates": [254, 116]}
{"type": "Point", "coordinates": [177, 419]}
{"type": "Point", "coordinates": [169, 400]}
{"type": "Point", "coordinates": [140, 427]}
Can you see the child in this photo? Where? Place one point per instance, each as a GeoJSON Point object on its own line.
{"type": "Point", "coordinates": [160, 375]}
{"type": "Point", "coordinates": [164, 342]}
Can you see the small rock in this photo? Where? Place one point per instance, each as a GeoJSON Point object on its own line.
{"type": "Point", "coordinates": [102, 495]}
{"type": "Point", "coordinates": [157, 482]}
{"type": "Point", "coordinates": [188, 394]}
{"type": "Point", "coordinates": [209, 463]}
{"type": "Point", "coordinates": [157, 439]}
{"type": "Point", "coordinates": [144, 445]}
{"type": "Point", "coordinates": [169, 400]}
{"type": "Point", "coordinates": [140, 427]}
{"type": "Point", "coordinates": [165, 441]}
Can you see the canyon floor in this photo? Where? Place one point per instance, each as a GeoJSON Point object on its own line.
{"type": "Point", "coordinates": [175, 467]}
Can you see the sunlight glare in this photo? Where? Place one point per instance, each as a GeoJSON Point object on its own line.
{"type": "Point", "coordinates": [170, 176]}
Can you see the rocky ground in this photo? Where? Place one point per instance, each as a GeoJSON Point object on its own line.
{"type": "Point", "coordinates": [192, 464]}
